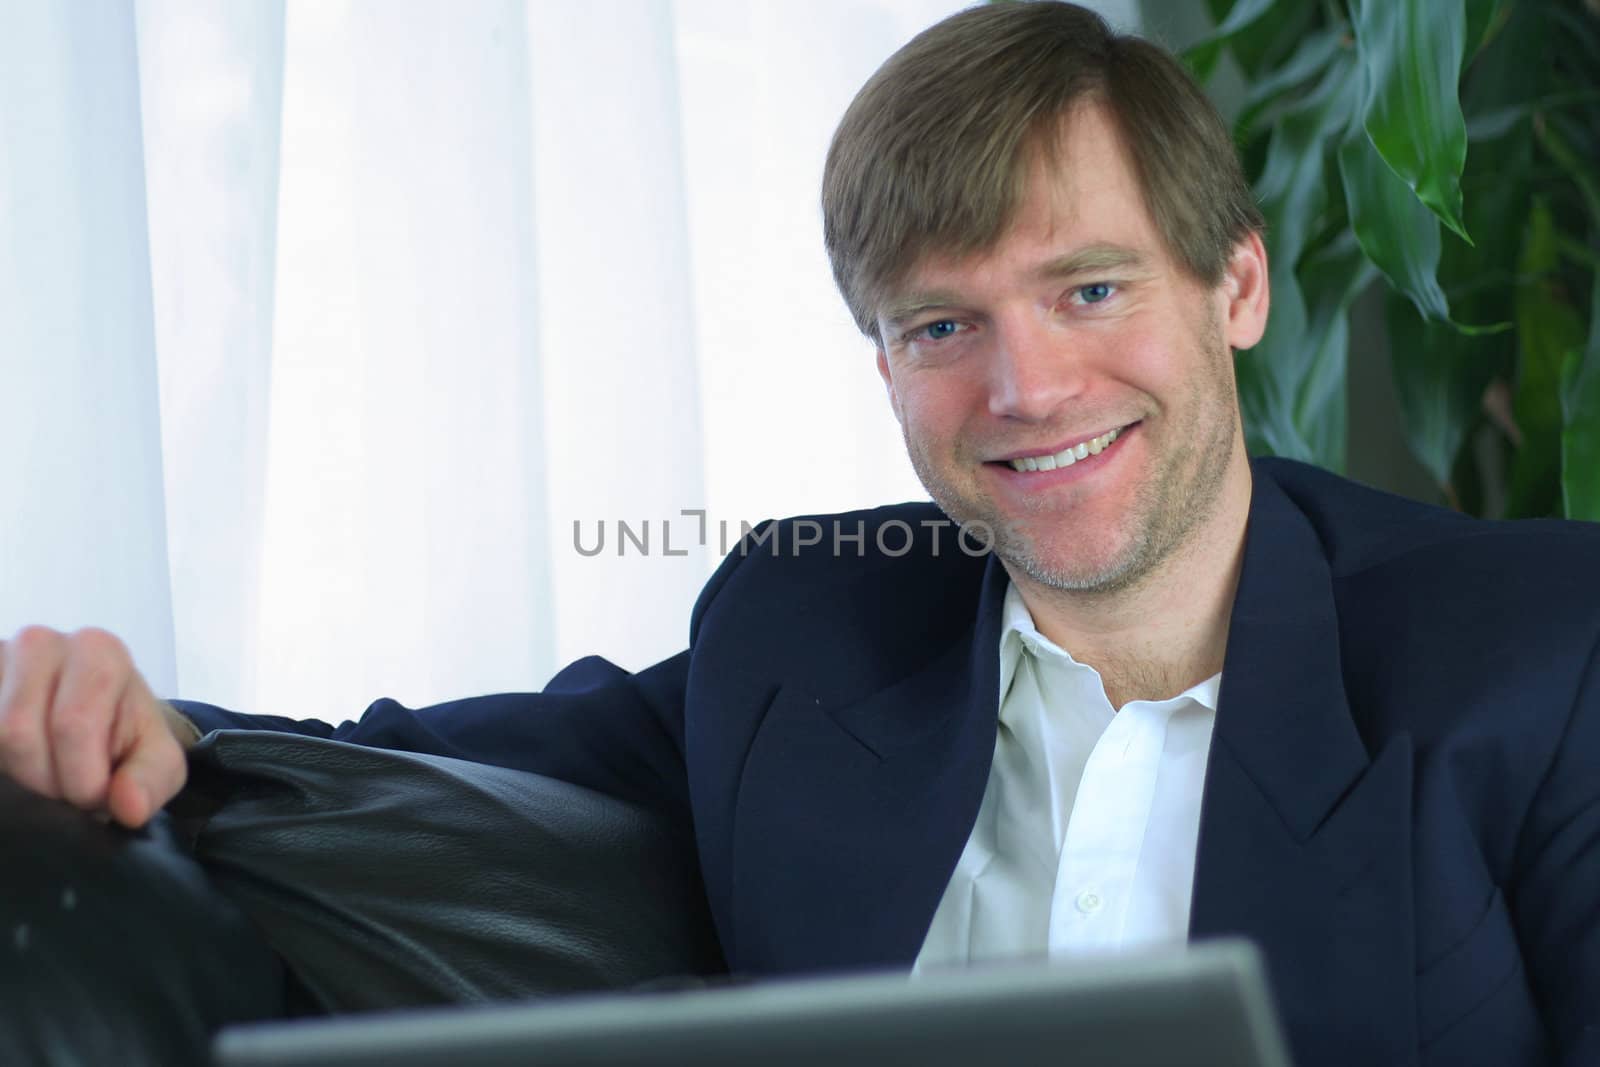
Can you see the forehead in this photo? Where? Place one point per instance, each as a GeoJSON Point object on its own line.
{"type": "Point", "coordinates": [1082, 178]}
{"type": "Point", "coordinates": [1080, 191]}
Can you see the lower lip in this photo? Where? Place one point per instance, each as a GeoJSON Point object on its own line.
{"type": "Point", "coordinates": [1083, 468]}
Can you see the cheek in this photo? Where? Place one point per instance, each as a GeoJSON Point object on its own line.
{"type": "Point", "coordinates": [1163, 364]}
{"type": "Point", "coordinates": [930, 405]}
{"type": "Point", "coordinates": [1139, 360]}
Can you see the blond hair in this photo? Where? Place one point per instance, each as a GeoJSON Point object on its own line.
{"type": "Point", "coordinates": [933, 151]}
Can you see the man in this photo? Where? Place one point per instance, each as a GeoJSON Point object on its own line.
{"type": "Point", "coordinates": [1184, 696]}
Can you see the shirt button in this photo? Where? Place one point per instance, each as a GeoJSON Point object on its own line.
{"type": "Point", "coordinates": [1089, 902]}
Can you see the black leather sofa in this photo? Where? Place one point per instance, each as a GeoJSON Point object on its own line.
{"type": "Point", "coordinates": [297, 876]}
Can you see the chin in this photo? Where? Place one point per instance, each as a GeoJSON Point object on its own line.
{"type": "Point", "coordinates": [1076, 577]}
{"type": "Point", "coordinates": [1099, 568]}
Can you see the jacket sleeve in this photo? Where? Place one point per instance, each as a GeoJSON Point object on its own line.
{"type": "Point", "coordinates": [594, 724]}
{"type": "Point", "coordinates": [1556, 897]}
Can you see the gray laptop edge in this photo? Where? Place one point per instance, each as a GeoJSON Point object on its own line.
{"type": "Point", "coordinates": [1205, 1006]}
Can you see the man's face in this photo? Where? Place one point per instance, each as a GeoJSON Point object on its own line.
{"type": "Point", "coordinates": [1078, 331]}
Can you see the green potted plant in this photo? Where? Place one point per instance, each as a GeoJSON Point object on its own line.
{"type": "Point", "coordinates": [1447, 151]}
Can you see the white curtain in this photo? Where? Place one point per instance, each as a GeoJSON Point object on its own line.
{"type": "Point", "coordinates": [330, 332]}
{"type": "Point", "coordinates": [82, 535]}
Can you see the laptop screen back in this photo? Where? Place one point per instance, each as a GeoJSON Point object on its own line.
{"type": "Point", "coordinates": [1203, 1007]}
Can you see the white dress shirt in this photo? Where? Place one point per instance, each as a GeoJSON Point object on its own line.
{"type": "Point", "coordinates": [1085, 841]}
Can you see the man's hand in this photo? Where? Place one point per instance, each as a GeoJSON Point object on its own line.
{"type": "Point", "coordinates": [77, 722]}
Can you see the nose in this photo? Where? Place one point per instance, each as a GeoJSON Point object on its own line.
{"type": "Point", "coordinates": [1032, 370]}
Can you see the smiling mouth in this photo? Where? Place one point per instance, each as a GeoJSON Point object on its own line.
{"type": "Point", "coordinates": [1069, 455]}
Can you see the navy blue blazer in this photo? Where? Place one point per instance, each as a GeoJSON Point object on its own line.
{"type": "Point", "coordinates": [1401, 805]}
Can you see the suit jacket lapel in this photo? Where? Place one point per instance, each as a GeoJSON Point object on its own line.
{"type": "Point", "coordinates": [852, 815]}
{"type": "Point", "coordinates": [1304, 837]}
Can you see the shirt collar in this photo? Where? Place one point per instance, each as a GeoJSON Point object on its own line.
{"type": "Point", "coordinates": [1015, 619]}
{"type": "Point", "coordinates": [1017, 631]}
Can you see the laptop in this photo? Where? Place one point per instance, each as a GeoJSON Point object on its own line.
{"type": "Point", "coordinates": [1203, 1006]}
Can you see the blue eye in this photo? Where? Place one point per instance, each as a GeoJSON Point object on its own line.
{"type": "Point", "coordinates": [938, 331]}
{"type": "Point", "coordinates": [1093, 294]}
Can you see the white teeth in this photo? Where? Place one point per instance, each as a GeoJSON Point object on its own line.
{"type": "Point", "coordinates": [1067, 456]}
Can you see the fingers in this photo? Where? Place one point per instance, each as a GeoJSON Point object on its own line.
{"type": "Point", "coordinates": [150, 762]}
{"type": "Point", "coordinates": [128, 802]}
{"type": "Point", "coordinates": [77, 722]}
{"type": "Point", "coordinates": [94, 676]}
{"type": "Point", "coordinates": [32, 662]}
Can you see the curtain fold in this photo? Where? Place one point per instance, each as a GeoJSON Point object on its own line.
{"type": "Point", "coordinates": [82, 537]}
{"type": "Point", "coordinates": [405, 546]}
{"type": "Point", "coordinates": [211, 89]}
{"type": "Point", "coordinates": [617, 330]}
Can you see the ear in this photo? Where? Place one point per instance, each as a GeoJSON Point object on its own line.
{"type": "Point", "coordinates": [888, 383]}
{"type": "Point", "coordinates": [1246, 294]}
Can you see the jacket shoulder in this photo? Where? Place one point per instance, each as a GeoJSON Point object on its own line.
{"type": "Point", "coordinates": [1365, 531]}
{"type": "Point", "coordinates": [855, 593]}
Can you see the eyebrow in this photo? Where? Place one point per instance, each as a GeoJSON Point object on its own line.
{"type": "Point", "coordinates": [1090, 259]}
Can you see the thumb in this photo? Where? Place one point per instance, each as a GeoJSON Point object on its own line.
{"type": "Point", "coordinates": [128, 801]}
{"type": "Point", "coordinates": [150, 771]}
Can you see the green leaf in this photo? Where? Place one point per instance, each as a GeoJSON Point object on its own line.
{"type": "Point", "coordinates": [1439, 373]}
{"type": "Point", "coordinates": [1484, 18]}
{"type": "Point", "coordinates": [1310, 59]}
{"type": "Point", "coordinates": [1292, 188]}
{"type": "Point", "coordinates": [1395, 230]}
{"type": "Point", "coordinates": [1584, 177]}
{"type": "Point", "coordinates": [1202, 56]}
{"type": "Point", "coordinates": [1439, 378]}
{"type": "Point", "coordinates": [1292, 385]}
{"type": "Point", "coordinates": [1330, 280]}
{"type": "Point", "coordinates": [1411, 51]}
{"type": "Point", "coordinates": [1266, 386]}
{"type": "Point", "coordinates": [1480, 279]}
{"type": "Point", "coordinates": [1548, 329]}
{"type": "Point", "coordinates": [1492, 125]}
{"type": "Point", "coordinates": [1266, 42]}
{"type": "Point", "coordinates": [1580, 30]}
{"type": "Point", "coordinates": [1501, 76]}
{"type": "Point", "coordinates": [1578, 252]}
{"type": "Point", "coordinates": [1580, 410]}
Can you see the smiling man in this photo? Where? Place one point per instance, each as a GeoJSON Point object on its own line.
{"type": "Point", "coordinates": [1185, 695]}
{"type": "Point", "coordinates": [1071, 387]}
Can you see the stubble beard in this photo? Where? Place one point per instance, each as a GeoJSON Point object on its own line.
{"type": "Point", "coordinates": [1178, 499]}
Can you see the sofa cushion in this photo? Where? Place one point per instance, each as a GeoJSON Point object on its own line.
{"type": "Point", "coordinates": [113, 947]}
{"type": "Point", "coordinates": [391, 879]}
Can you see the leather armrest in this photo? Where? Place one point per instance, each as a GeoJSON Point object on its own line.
{"type": "Point", "coordinates": [392, 879]}
{"type": "Point", "coordinates": [114, 948]}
